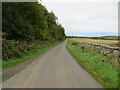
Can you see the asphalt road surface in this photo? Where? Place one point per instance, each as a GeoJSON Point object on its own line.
{"type": "Point", "coordinates": [54, 69]}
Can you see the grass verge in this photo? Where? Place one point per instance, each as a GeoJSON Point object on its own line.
{"type": "Point", "coordinates": [104, 73]}
{"type": "Point", "coordinates": [30, 56]}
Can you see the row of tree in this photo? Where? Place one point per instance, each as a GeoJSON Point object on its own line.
{"type": "Point", "coordinates": [30, 21]}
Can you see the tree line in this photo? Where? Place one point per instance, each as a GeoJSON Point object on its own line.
{"type": "Point", "coordinates": [30, 21]}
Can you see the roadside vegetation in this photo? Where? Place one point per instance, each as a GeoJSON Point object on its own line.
{"type": "Point", "coordinates": [99, 66]}
{"type": "Point", "coordinates": [36, 50]}
{"type": "Point", "coordinates": [28, 30]}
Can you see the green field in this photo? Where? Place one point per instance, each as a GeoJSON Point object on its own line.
{"type": "Point", "coordinates": [104, 72]}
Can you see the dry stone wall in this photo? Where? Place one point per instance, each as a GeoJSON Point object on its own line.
{"type": "Point", "coordinates": [104, 49]}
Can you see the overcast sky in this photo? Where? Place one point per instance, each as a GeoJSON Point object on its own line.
{"type": "Point", "coordinates": [81, 16]}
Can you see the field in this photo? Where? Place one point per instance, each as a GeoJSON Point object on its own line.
{"type": "Point", "coordinates": [101, 67]}
{"type": "Point", "coordinates": [113, 43]}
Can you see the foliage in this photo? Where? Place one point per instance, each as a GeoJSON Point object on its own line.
{"type": "Point", "coordinates": [30, 21]}
{"type": "Point", "coordinates": [14, 49]}
{"type": "Point", "coordinates": [104, 73]}
{"type": "Point", "coordinates": [26, 27]}
{"type": "Point", "coordinates": [29, 56]}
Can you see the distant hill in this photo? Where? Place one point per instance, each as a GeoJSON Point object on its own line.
{"type": "Point", "coordinates": [108, 37]}
{"type": "Point", "coordinates": [102, 37]}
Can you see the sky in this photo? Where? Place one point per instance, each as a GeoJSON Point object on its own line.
{"type": "Point", "coordinates": [86, 17]}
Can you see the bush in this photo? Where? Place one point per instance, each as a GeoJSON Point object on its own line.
{"type": "Point", "coordinates": [15, 49]}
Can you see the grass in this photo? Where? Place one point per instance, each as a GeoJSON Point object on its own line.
{"type": "Point", "coordinates": [103, 72]}
{"type": "Point", "coordinates": [30, 56]}
{"type": "Point", "coordinates": [95, 41]}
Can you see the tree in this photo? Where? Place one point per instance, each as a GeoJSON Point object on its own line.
{"type": "Point", "coordinates": [29, 21]}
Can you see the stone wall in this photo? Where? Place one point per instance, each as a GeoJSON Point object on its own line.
{"type": "Point", "coordinates": [104, 49]}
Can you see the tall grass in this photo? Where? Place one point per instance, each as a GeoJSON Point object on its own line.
{"type": "Point", "coordinates": [105, 73]}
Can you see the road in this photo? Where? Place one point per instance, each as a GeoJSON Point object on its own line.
{"type": "Point", "coordinates": [54, 69]}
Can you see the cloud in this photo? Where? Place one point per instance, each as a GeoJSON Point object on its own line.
{"type": "Point", "coordinates": [81, 0]}
{"type": "Point", "coordinates": [86, 16]}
